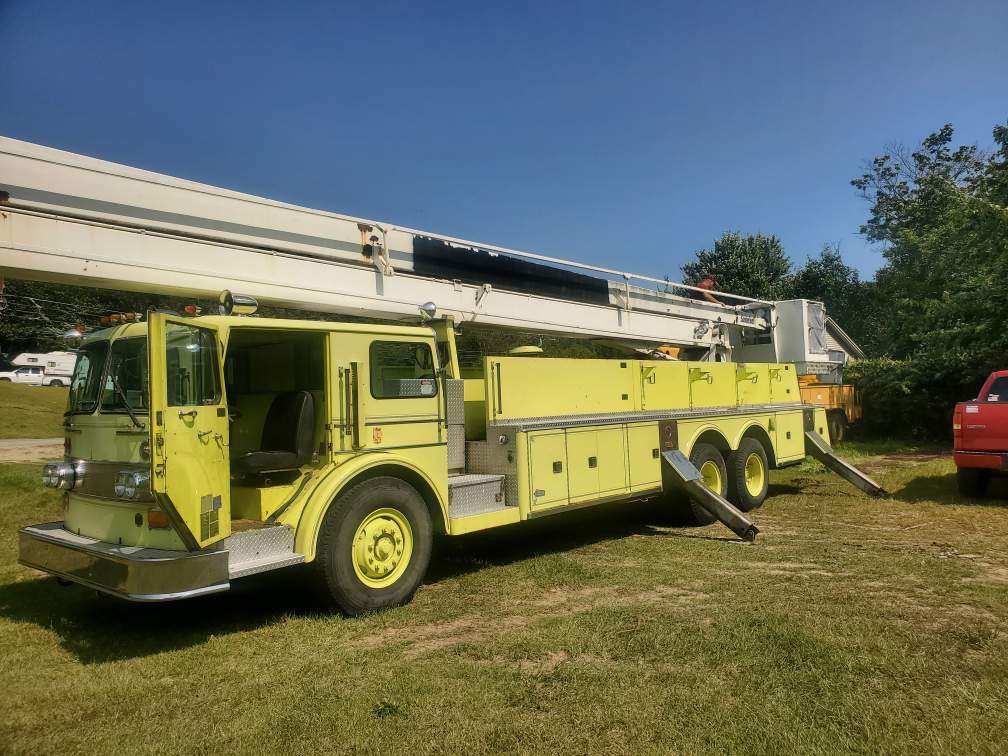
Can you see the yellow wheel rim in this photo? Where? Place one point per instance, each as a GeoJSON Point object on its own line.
{"type": "Point", "coordinates": [710, 474]}
{"type": "Point", "coordinates": [382, 547]}
{"type": "Point", "coordinates": [755, 474]}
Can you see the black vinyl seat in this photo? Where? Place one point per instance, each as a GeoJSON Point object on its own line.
{"type": "Point", "coordinates": [286, 437]}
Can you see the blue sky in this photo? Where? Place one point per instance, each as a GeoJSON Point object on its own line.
{"type": "Point", "coordinates": [618, 134]}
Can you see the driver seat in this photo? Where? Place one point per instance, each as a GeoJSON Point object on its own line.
{"type": "Point", "coordinates": [286, 437]}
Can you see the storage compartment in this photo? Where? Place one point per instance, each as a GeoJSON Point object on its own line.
{"type": "Point", "coordinates": [752, 383]}
{"type": "Point", "coordinates": [643, 456]}
{"type": "Point", "coordinates": [547, 455]}
{"type": "Point", "coordinates": [664, 385]}
{"type": "Point", "coordinates": [790, 429]}
{"type": "Point", "coordinates": [712, 384]}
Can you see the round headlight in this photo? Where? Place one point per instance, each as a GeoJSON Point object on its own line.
{"type": "Point", "coordinates": [59, 475]}
{"type": "Point", "coordinates": [131, 484]}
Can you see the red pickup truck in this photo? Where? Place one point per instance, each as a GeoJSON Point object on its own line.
{"type": "Point", "coordinates": [980, 433]}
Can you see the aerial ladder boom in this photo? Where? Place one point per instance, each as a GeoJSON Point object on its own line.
{"type": "Point", "coordinates": [74, 219]}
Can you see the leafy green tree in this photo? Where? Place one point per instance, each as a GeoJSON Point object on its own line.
{"type": "Point", "coordinates": [941, 214]}
{"type": "Point", "coordinates": [752, 265]}
{"type": "Point", "coordinates": [848, 299]}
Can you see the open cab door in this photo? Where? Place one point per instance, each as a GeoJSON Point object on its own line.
{"type": "Point", "coordinates": [189, 428]}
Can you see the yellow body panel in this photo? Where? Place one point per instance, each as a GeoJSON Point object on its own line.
{"type": "Point", "coordinates": [664, 385]}
{"type": "Point", "coordinates": [519, 387]}
{"type": "Point", "coordinates": [752, 383]}
{"type": "Point", "coordinates": [712, 384]}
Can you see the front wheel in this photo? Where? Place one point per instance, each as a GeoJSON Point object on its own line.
{"type": "Point", "coordinates": [972, 481]}
{"type": "Point", "coordinates": [374, 546]}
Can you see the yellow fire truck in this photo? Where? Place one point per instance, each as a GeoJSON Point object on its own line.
{"type": "Point", "coordinates": [203, 449]}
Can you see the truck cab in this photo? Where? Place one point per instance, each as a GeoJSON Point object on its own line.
{"type": "Point", "coordinates": [980, 435]}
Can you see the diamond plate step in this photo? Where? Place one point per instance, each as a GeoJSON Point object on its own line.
{"type": "Point", "coordinates": [475, 494]}
{"type": "Point", "coordinates": [260, 550]}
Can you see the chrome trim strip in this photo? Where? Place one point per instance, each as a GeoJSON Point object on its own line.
{"type": "Point", "coordinates": [96, 478]}
{"type": "Point", "coordinates": [613, 418]}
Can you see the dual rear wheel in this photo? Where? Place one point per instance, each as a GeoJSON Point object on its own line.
{"type": "Point", "coordinates": [742, 477]}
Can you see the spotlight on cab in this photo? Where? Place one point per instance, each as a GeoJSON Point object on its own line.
{"type": "Point", "coordinates": [236, 304]}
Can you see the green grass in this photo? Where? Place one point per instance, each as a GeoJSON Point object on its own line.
{"type": "Point", "coordinates": [31, 411]}
{"type": "Point", "coordinates": [851, 625]}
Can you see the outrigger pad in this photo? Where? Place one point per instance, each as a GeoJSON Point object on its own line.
{"type": "Point", "coordinates": [816, 446]}
{"type": "Point", "coordinates": [689, 477]}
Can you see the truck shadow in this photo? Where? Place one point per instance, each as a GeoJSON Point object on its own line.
{"type": "Point", "coordinates": [943, 489]}
{"type": "Point", "coordinates": [96, 629]}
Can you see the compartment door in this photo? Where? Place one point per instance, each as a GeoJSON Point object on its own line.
{"type": "Point", "coordinates": [645, 460]}
{"type": "Point", "coordinates": [189, 428]}
{"type": "Point", "coordinates": [790, 430]}
{"type": "Point", "coordinates": [783, 384]}
{"type": "Point", "coordinates": [583, 465]}
{"type": "Point", "coordinates": [610, 446]}
{"type": "Point", "coordinates": [548, 469]}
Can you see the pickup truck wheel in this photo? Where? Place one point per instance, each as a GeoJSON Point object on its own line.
{"type": "Point", "coordinates": [56, 382]}
{"type": "Point", "coordinates": [972, 481]}
{"type": "Point", "coordinates": [748, 479]}
{"type": "Point", "coordinates": [5, 380]}
{"type": "Point", "coordinates": [836, 421]}
{"type": "Point", "coordinates": [374, 546]}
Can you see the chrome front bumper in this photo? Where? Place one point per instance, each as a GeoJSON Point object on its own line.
{"type": "Point", "coordinates": [129, 572]}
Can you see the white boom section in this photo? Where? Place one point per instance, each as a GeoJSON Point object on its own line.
{"type": "Point", "coordinates": [75, 219]}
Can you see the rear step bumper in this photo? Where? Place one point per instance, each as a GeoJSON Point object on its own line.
{"type": "Point", "coordinates": [129, 572]}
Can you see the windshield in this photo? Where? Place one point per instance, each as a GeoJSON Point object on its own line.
{"type": "Point", "coordinates": [127, 367]}
{"type": "Point", "coordinates": [86, 381]}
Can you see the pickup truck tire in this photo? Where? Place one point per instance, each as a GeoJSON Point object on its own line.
{"type": "Point", "coordinates": [374, 546]}
{"type": "Point", "coordinates": [748, 475]}
{"type": "Point", "coordinates": [836, 421]}
{"type": "Point", "coordinates": [56, 382]}
{"type": "Point", "coordinates": [5, 380]}
{"type": "Point", "coordinates": [972, 481]}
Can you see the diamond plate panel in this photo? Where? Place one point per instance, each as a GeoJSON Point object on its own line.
{"type": "Point", "coordinates": [475, 494]}
{"type": "Point", "coordinates": [456, 447]}
{"type": "Point", "coordinates": [491, 457]}
{"type": "Point", "coordinates": [455, 401]}
{"type": "Point", "coordinates": [252, 551]}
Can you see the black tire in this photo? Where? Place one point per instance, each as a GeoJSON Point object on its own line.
{"type": "Point", "coordinates": [57, 382]}
{"type": "Point", "coordinates": [5, 380]}
{"type": "Point", "coordinates": [334, 567]}
{"type": "Point", "coordinates": [837, 423]}
{"type": "Point", "coordinates": [972, 481]}
{"type": "Point", "coordinates": [702, 453]}
{"type": "Point", "coordinates": [739, 485]}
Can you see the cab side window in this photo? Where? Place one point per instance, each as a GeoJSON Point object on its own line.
{"type": "Point", "coordinates": [402, 370]}
{"type": "Point", "coordinates": [998, 391]}
{"type": "Point", "coordinates": [191, 359]}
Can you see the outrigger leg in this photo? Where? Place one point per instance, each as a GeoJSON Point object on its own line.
{"type": "Point", "coordinates": [687, 475]}
{"type": "Point", "coordinates": [816, 446]}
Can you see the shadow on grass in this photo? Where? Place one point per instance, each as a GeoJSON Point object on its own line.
{"type": "Point", "coordinates": [943, 489]}
{"type": "Point", "coordinates": [97, 629]}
